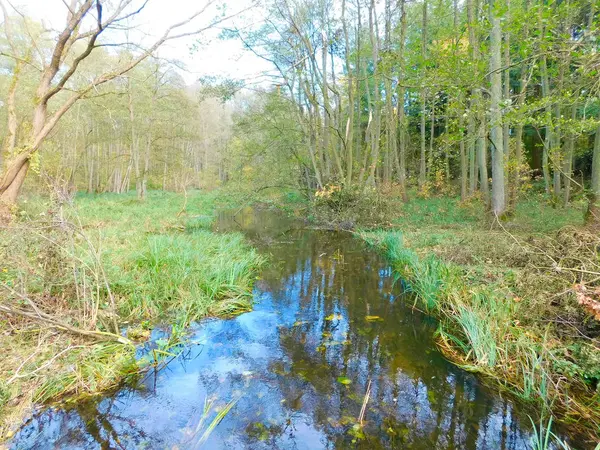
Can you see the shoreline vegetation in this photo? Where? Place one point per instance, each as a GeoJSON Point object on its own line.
{"type": "Point", "coordinates": [515, 300]}
{"type": "Point", "coordinates": [85, 279]}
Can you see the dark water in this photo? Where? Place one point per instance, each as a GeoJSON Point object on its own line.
{"type": "Point", "coordinates": [328, 322]}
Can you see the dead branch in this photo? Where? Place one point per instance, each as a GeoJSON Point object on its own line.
{"type": "Point", "coordinates": [17, 375]}
{"type": "Point", "coordinates": [39, 316]}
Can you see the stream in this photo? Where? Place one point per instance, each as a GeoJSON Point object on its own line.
{"type": "Point", "coordinates": [330, 322]}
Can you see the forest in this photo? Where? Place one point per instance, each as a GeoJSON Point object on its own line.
{"type": "Point", "coordinates": [458, 141]}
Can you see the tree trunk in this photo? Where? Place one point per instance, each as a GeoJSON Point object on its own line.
{"type": "Point", "coordinates": [548, 141]}
{"type": "Point", "coordinates": [401, 112]}
{"type": "Point", "coordinates": [480, 143]}
{"type": "Point", "coordinates": [10, 193]}
{"type": "Point", "coordinates": [515, 176]}
{"type": "Point", "coordinates": [593, 212]}
{"type": "Point", "coordinates": [482, 155]}
{"type": "Point", "coordinates": [350, 121]}
{"type": "Point", "coordinates": [376, 132]}
{"type": "Point", "coordinates": [568, 162]}
{"type": "Point", "coordinates": [430, 159]}
{"type": "Point", "coordinates": [463, 162]}
{"type": "Point", "coordinates": [423, 159]}
{"type": "Point", "coordinates": [498, 187]}
{"type": "Point", "coordinates": [471, 138]}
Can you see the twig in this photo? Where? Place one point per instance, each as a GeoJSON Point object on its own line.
{"type": "Point", "coordinates": [43, 366]}
{"type": "Point", "coordinates": [40, 316]}
{"type": "Point", "coordinates": [363, 410]}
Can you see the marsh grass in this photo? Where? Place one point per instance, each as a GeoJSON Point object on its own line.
{"type": "Point", "coordinates": [188, 274]}
{"type": "Point", "coordinates": [501, 313]}
{"type": "Point", "coordinates": [94, 368]}
{"type": "Point", "coordinates": [118, 261]}
{"type": "Point", "coordinates": [216, 414]}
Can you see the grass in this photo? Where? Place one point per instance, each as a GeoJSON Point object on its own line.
{"type": "Point", "coordinates": [504, 297]}
{"type": "Point", "coordinates": [105, 263]}
{"type": "Point", "coordinates": [190, 275]}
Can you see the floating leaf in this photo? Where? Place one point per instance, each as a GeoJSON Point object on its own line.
{"type": "Point", "coordinates": [344, 380]}
{"type": "Point", "coordinates": [334, 317]}
{"type": "Point", "coordinates": [374, 319]}
{"type": "Point", "coordinates": [299, 323]}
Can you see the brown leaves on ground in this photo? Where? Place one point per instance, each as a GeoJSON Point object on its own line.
{"type": "Point", "coordinates": [589, 298]}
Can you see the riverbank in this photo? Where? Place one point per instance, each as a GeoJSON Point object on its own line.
{"type": "Point", "coordinates": [83, 281]}
{"type": "Point", "coordinates": [515, 301]}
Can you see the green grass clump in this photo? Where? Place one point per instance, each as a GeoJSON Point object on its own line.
{"type": "Point", "coordinates": [93, 369]}
{"type": "Point", "coordinates": [199, 223]}
{"type": "Point", "coordinates": [188, 274]}
{"type": "Point", "coordinates": [483, 321]}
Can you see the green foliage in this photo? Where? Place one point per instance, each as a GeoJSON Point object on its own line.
{"type": "Point", "coordinates": [542, 434]}
{"type": "Point", "coordinates": [267, 149]}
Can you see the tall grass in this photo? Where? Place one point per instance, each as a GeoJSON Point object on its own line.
{"type": "Point", "coordinates": [188, 274]}
{"type": "Point", "coordinates": [542, 434]}
{"type": "Point", "coordinates": [426, 275]}
{"type": "Point", "coordinates": [480, 329]}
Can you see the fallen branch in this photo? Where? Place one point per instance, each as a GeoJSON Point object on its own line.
{"type": "Point", "coordinates": [52, 322]}
{"type": "Point", "coordinates": [17, 375]}
{"type": "Point", "coordinates": [363, 410]}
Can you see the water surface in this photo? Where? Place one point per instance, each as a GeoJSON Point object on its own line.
{"type": "Point", "coordinates": [329, 321]}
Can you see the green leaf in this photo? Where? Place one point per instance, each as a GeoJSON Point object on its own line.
{"type": "Point", "coordinates": [344, 380]}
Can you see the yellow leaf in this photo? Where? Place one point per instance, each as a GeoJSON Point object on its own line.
{"type": "Point", "coordinates": [373, 319]}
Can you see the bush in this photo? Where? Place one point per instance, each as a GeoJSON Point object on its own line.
{"type": "Point", "coordinates": [352, 205]}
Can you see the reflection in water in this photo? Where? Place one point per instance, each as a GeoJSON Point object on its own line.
{"type": "Point", "coordinates": [328, 319]}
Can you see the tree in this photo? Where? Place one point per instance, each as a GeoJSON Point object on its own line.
{"type": "Point", "coordinates": [496, 134]}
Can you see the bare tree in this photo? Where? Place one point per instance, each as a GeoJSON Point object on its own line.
{"type": "Point", "coordinates": [73, 45]}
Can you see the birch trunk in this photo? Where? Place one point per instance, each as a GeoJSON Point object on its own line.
{"type": "Point", "coordinates": [498, 187]}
